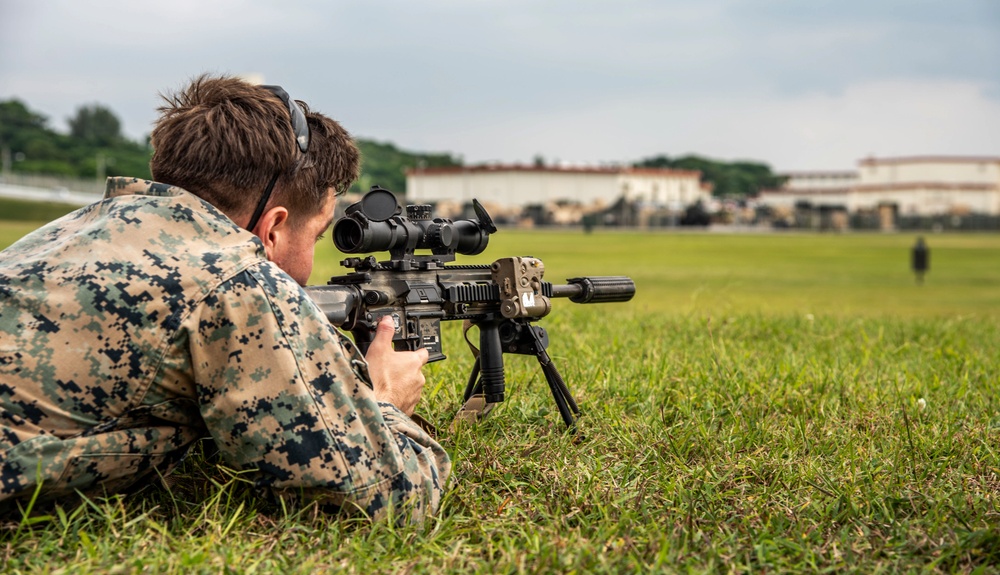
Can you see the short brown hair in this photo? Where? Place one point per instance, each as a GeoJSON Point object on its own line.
{"type": "Point", "coordinates": [223, 139]}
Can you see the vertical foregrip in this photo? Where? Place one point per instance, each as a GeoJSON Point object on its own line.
{"type": "Point", "coordinates": [491, 362]}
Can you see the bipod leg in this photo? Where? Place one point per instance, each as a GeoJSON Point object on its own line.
{"type": "Point", "coordinates": [560, 392]}
{"type": "Point", "coordinates": [473, 386]}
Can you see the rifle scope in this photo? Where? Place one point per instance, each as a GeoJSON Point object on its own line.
{"type": "Point", "coordinates": [374, 224]}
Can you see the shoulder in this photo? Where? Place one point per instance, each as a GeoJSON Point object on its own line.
{"type": "Point", "coordinates": [270, 290]}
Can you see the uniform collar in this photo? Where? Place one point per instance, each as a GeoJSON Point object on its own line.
{"type": "Point", "coordinates": [118, 187]}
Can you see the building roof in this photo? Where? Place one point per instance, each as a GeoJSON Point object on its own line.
{"type": "Point", "coordinates": [941, 186]}
{"type": "Point", "coordinates": [842, 174]}
{"type": "Point", "coordinates": [929, 160]}
{"type": "Point", "coordinates": [806, 191]}
{"type": "Point", "coordinates": [886, 187]}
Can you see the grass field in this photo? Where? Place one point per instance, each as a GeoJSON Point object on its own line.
{"type": "Point", "coordinates": [767, 403]}
{"type": "Point", "coordinates": [775, 274]}
{"type": "Point", "coordinates": [31, 211]}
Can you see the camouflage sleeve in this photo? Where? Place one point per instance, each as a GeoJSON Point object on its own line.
{"type": "Point", "coordinates": [282, 396]}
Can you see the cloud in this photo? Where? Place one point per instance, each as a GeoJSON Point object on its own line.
{"type": "Point", "coordinates": [796, 84]}
{"type": "Point", "coordinates": [790, 131]}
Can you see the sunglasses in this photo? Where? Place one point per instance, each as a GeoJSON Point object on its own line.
{"type": "Point", "coordinates": [301, 128]}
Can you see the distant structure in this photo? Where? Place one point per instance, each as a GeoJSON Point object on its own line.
{"type": "Point", "coordinates": [891, 188]}
{"type": "Point", "coordinates": [564, 194]}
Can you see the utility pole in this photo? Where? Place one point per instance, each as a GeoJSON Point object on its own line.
{"type": "Point", "coordinates": [102, 168]}
{"type": "Point", "coordinates": [5, 162]}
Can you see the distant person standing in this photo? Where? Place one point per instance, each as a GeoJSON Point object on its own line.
{"type": "Point", "coordinates": [920, 259]}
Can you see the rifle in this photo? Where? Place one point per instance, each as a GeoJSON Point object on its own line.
{"type": "Point", "coordinates": [421, 291]}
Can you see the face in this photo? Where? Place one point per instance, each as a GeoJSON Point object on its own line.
{"type": "Point", "coordinates": [294, 247]}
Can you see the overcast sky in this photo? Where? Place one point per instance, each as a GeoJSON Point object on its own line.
{"type": "Point", "coordinates": [798, 84]}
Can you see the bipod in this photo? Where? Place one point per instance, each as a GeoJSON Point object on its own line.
{"type": "Point", "coordinates": [520, 337]}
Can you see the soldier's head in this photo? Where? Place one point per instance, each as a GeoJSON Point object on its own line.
{"type": "Point", "coordinates": [263, 159]}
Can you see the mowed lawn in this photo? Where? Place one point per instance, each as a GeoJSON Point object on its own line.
{"type": "Point", "coordinates": [767, 403]}
{"type": "Point", "coordinates": [776, 274]}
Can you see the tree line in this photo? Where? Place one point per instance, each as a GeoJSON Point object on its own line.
{"type": "Point", "coordinates": [738, 179]}
{"type": "Point", "coordinates": [95, 147]}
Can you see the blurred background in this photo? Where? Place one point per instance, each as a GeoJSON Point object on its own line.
{"type": "Point", "coordinates": [829, 115]}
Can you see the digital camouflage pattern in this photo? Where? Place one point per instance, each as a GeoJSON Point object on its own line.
{"type": "Point", "coordinates": [141, 323]}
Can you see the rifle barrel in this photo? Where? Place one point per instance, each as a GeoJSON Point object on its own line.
{"type": "Point", "coordinates": [596, 289]}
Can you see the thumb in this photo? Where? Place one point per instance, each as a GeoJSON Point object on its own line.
{"type": "Point", "coordinates": [384, 330]}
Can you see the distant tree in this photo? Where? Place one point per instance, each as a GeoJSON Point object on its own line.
{"type": "Point", "coordinates": [385, 164]}
{"type": "Point", "coordinates": [660, 161]}
{"type": "Point", "coordinates": [95, 125]}
{"type": "Point", "coordinates": [95, 137]}
{"type": "Point", "coordinates": [729, 179]}
{"type": "Point", "coordinates": [95, 141]}
{"type": "Point", "coordinates": [18, 124]}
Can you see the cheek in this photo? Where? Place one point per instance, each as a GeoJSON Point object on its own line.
{"type": "Point", "coordinates": [305, 258]}
{"type": "Point", "coordinates": [309, 258]}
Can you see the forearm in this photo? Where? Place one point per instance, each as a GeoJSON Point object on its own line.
{"type": "Point", "coordinates": [411, 494]}
{"type": "Point", "coordinates": [284, 398]}
{"type": "Point", "coordinates": [429, 466]}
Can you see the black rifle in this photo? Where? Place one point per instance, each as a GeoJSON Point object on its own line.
{"type": "Point", "coordinates": [420, 291]}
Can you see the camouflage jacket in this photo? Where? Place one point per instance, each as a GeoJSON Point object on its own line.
{"type": "Point", "coordinates": [141, 323]}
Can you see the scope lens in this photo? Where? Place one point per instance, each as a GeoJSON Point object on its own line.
{"type": "Point", "coordinates": [472, 239]}
{"type": "Point", "coordinates": [348, 235]}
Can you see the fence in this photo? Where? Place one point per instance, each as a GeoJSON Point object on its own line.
{"type": "Point", "coordinates": [46, 182]}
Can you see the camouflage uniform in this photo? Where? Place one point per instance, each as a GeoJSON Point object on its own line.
{"type": "Point", "coordinates": [141, 323]}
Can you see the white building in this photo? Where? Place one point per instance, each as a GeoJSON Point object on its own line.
{"type": "Point", "coordinates": [911, 186]}
{"type": "Point", "coordinates": [518, 186]}
{"type": "Point", "coordinates": [817, 188]}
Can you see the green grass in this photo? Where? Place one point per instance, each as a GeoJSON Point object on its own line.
{"type": "Point", "coordinates": [773, 403]}
{"type": "Point", "coordinates": [790, 274]}
{"type": "Point", "coordinates": [30, 211]}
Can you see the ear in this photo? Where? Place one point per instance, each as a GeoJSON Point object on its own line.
{"type": "Point", "coordinates": [271, 229]}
